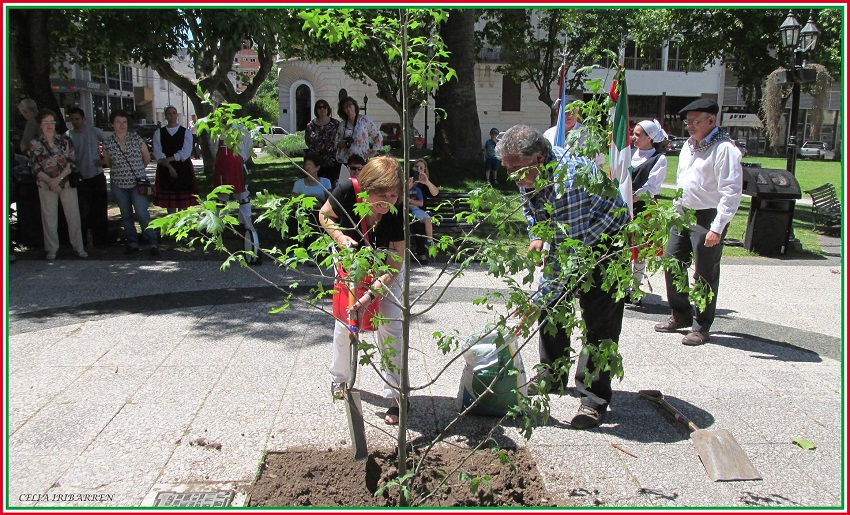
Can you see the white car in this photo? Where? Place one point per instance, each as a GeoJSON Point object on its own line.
{"type": "Point", "coordinates": [816, 150]}
{"type": "Point", "coordinates": [274, 135]}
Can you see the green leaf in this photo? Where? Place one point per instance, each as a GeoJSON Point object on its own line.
{"type": "Point", "coordinates": [804, 444]}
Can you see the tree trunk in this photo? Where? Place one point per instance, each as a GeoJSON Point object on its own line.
{"type": "Point", "coordinates": [458, 137]}
{"type": "Point", "coordinates": [32, 58]}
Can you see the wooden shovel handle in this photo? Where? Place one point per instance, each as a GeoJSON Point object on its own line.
{"type": "Point", "coordinates": [656, 397]}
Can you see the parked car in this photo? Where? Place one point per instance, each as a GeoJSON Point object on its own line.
{"type": "Point", "coordinates": [146, 133]}
{"type": "Point", "coordinates": [816, 150]}
{"type": "Point", "coordinates": [675, 144]}
{"type": "Point", "coordinates": [274, 135]}
{"type": "Point", "coordinates": [392, 136]}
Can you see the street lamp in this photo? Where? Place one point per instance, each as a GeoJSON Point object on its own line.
{"type": "Point", "coordinates": [796, 42]}
{"type": "Point", "coordinates": [365, 101]}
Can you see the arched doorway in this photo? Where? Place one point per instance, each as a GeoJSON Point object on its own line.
{"type": "Point", "coordinates": [303, 107]}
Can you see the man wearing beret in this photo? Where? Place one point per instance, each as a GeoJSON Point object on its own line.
{"type": "Point", "coordinates": [710, 176]}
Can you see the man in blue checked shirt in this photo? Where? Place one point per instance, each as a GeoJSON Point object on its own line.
{"type": "Point", "coordinates": [573, 214]}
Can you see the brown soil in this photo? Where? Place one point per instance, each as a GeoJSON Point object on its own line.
{"type": "Point", "coordinates": [334, 478]}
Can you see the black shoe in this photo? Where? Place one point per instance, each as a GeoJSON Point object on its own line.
{"type": "Point", "coordinates": [131, 250]}
{"type": "Point", "coordinates": [671, 325]}
{"type": "Point", "coordinates": [586, 418]}
{"type": "Point", "coordinates": [154, 251]}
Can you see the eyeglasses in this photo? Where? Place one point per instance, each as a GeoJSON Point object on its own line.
{"type": "Point", "coordinates": [323, 107]}
{"type": "Point", "coordinates": [355, 168]}
{"type": "Point", "coordinates": [696, 121]}
{"type": "Point", "coordinates": [49, 122]}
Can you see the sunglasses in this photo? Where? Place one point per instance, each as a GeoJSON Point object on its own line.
{"type": "Point", "coordinates": [355, 168]}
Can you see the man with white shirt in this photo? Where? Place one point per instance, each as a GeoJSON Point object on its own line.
{"type": "Point", "coordinates": [710, 176]}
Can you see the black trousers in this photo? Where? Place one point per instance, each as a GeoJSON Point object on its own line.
{"type": "Point", "coordinates": [93, 209]}
{"type": "Point", "coordinates": [603, 319]}
{"type": "Point", "coordinates": [687, 247]}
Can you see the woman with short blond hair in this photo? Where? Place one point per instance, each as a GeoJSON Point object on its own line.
{"type": "Point", "coordinates": [383, 229]}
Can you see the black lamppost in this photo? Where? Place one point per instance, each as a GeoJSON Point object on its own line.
{"type": "Point", "coordinates": [365, 101]}
{"type": "Point", "coordinates": [796, 42]}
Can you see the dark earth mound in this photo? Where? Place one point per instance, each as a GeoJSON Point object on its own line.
{"type": "Point", "coordinates": [308, 477]}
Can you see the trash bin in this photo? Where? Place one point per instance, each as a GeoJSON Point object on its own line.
{"type": "Point", "coordinates": [773, 194]}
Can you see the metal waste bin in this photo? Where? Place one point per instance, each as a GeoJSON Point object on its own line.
{"type": "Point", "coordinates": [773, 195]}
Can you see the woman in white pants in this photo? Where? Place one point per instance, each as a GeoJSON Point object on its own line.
{"type": "Point", "coordinates": [53, 160]}
{"type": "Point", "coordinates": [383, 230]}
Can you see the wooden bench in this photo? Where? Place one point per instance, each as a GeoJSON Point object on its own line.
{"type": "Point", "coordinates": [444, 209]}
{"type": "Point", "coordinates": [826, 209]}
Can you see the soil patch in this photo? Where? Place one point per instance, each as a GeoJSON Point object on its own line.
{"type": "Point", "coordinates": [308, 477]}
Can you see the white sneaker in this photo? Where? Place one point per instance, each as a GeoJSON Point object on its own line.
{"type": "Point", "coordinates": [83, 254]}
{"type": "Point", "coordinates": [50, 256]}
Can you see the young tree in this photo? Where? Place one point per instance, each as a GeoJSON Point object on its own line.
{"type": "Point", "coordinates": [490, 212]}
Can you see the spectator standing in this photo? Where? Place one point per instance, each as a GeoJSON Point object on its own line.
{"type": "Point", "coordinates": [491, 162]}
{"type": "Point", "coordinates": [320, 136]}
{"type": "Point", "coordinates": [571, 124]}
{"type": "Point", "coordinates": [92, 188]}
{"type": "Point", "coordinates": [193, 128]}
{"type": "Point", "coordinates": [357, 134]}
{"type": "Point", "coordinates": [574, 214]}
{"type": "Point", "coordinates": [126, 154]}
{"type": "Point", "coordinates": [53, 160]}
{"type": "Point", "coordinates": [175, 187]}
{"type": "Point", "coordinates": [29, 110]}
{"type": "Point", "coordinates": [710, 176]}
{"type": "Point", "coordinates": [231, 168]}
{"type": "Point", "coordinates": [380, 179]}
{"type": "Point", "coordinates": [649, 167]}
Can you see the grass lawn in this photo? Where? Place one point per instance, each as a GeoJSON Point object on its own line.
{"type": "Point", "coordinates": [277, 175]}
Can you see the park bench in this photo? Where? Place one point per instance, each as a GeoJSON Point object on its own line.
{"type": "Point", "coordinates": [443, 210]}
{"type": "Point", "coordinates": [826, 209]}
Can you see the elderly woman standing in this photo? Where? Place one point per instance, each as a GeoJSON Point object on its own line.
{"type": "Point", "coordinates": [649, 167]}
{"type": "Point", "coordinates": [53, 160]}
{"type": "Point", "coordinates": [384, 230]}
{"type": "Point", "coordinates": [127, 156]}
{"type": "Point", "coordinates": [357, 134]}
{"type": "Point", "coordinates": [176, 186]}
{"type": "Point", "coordinates": [320, 136]}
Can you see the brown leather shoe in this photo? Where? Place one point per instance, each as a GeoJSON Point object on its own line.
{"type": "Point", "coordinates": [671, 325]}
{"type": "Point", "coordinates": [695, 338]}
{"type": "Point", "coordinates": [586, 418]}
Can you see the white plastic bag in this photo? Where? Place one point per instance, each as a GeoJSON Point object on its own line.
{"type": "Point", "coordinates": [491, 359]}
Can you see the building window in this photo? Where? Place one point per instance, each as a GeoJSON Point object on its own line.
{"type": "Point", "coordinates": [677, 58]}
{"type": "Point", "coordinates": [511, 94]}
{"type": "Point", "coordinates": [637, 58]}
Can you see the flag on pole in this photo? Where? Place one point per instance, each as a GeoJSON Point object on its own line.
{"type": "Point", "coordinates": [620, 151]}
{"type": "Point", "coordinates": [561, 133]}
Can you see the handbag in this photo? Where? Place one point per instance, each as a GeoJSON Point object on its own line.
{"type": "Point", "coordinates": [346, 294]}
{"type": "Point", "coordinates": [74, 178]}
{"type": "Point", "coordinates": [143, 186]}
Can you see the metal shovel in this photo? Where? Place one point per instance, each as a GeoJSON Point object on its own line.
{"type": "Point", "coordinates": [721, 455]}
{"type": "Point", "coordinates": [353, 406]}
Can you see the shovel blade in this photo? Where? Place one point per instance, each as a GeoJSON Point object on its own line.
{"type": "Point", "coordinates": [722, 456]}
{"type": "Point", "coordinates": [356, 427]}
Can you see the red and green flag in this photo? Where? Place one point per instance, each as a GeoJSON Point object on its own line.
{"type": "Point", "coordinates": [621, 150]}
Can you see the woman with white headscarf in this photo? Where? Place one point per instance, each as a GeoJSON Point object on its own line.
{"type": "Point", "coordinates": [649, 167]}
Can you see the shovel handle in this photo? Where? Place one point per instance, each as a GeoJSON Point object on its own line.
{"type": "Point", "coordinates": [656, 397]}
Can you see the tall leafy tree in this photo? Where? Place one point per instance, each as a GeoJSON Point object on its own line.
{"type": "Point", "coordinates": [366, 58]}
{"type": "Point", "coordinates": [459, 131]}
{"type": "Point", "coordinates": [536, 42]}
{"type": "Point", "coordinates": [747, 40]}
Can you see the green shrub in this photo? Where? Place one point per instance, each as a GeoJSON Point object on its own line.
{"type": "Point", "coordinates": [292, 145]}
